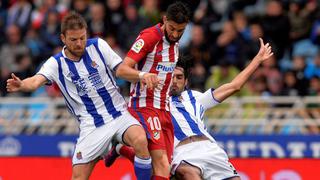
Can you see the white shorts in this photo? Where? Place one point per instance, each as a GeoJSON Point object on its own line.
{"type": "Point", "coordinates": [96, 143]}
{"type": "Point", "coordinates": [207, 156]}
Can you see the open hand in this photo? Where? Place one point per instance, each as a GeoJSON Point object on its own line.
{"type": "Point", "coordinates": [14, 83]}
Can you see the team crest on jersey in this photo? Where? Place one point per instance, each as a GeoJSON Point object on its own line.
{"type": "Point", "coordinates": [79, 155]}
{"type": "Point", "coordinates": [156, 135]}
{"type": "Point", "coordinates": [94, 64]}
{"type": "Point", "coordinates": [138, 45]}
{"type": "Point", "coordinates": [177, 104]}
{"type": "Point", "coordinates": [70, 74]}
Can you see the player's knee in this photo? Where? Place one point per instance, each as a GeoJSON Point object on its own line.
{"type": "Point", "coordinates": [77, 176]}
{"type": "Point", "coordinates": [160, 162]}
{"type": "Point", "coordinates": [140, 141]}
{"type": "Point", "coordinates": [136, 137]}
{"type": "Point", "coordinates": [140, 146]}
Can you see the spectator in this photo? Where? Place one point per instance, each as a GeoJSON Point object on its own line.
{"type": "Point", "coordinates": [50, 30]}
{"type": "Point", "coordinates": [313, 68]}
{"type": "Point", "coordinates": [149, 10]}
{"type": "Point", "coordinates": [199, 48]}
{"type": "Point", "coordinates": [290, 85]}
{"type": "Point", "coordinates": [81, 7]}
{"type": "Point", "coordinates": [276, 27]}
{"type": "Point", "coordinates": [299, 21]}
{"type": "Point", "coordinates": [115, 15]}
{"type": "Point", "coordinates": [133, 21]}
{"type": "Point", "coordinates": [298, 67]}
{"type": "Point", "coordinates": [20, 14]}
{"type": "Point", "coordinates": [97, 25]}
{"type": "Point", "coordinates": [231, 47]}
{"type": "Point", "coordinates": [9, 51]}
{"type": "Point", "coordinates": [41, 9]}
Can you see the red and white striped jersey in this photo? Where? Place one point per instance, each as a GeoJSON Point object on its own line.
{"type": "Point", "coordinates": [153, 54]}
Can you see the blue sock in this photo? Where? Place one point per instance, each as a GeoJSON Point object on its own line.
{"type": "Point", "coordinates": [142, 168]}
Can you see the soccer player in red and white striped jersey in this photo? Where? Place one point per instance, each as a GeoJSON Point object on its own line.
{"type": "Point", "coordinates": [152, 59]}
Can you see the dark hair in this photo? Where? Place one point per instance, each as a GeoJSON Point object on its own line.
{"type": "Point", "coordinates": [178, 12]}
{"type": "Point", "coordinates": [185, 62]}
{"type": "Point", "coordinates": [73, 21]}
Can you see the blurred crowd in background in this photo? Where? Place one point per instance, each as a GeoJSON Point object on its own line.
{"type": "Point", "coordinates": [222, 38]}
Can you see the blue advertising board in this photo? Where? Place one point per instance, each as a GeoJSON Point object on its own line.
{"type": "Point", "coordinates": [243, 146]}
{"type": "Point", "coordinates": [270, 146]}
{"type": "Point", "coordinates": [37, 145]}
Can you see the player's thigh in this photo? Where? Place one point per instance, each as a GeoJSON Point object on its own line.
{"type": "Point", "coordinates": [94, 144]}
{"type": "Point", "coordinates": [168, 132]}
{"type": "Point", "coordinates": [217, 163]}
{"type": "Point", "coordinates": [159, 158]}
{"type": "Point", "coordinates": [188, 172]}
{"type": "Point", "coordinates": [149, 119]}
{"type": "Point", "coordinates": [135, 136]}
{"type": "Point", "coordinates": [130, 131]}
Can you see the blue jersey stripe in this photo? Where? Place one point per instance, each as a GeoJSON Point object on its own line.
{"type": "Point", "coordinates": [143, 122]}
{"type": "Point", "coordinates": [98, 120]}
{"type": "Point", "coordinates": [193, 125]}
{"type": "Point", "coordinates": [193, 102]}
{"type": "Point", "coordinates": [105, 65]}
{"type": "Point", "coordinates": [102, 91]}
{"type": "Point", "coordinates": [106, 68]}
{"type": "Point", "coordinates": [61, 78]}
{"type": "Point", "coordinates": [180, 135]}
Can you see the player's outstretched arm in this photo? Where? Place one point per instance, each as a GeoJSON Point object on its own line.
{"type": "Point", "coordinates": [15, 84]}
{"type": "Point", "coordinates": [226, 90]}
{"type": "Point", "coordinates": [127, 71]}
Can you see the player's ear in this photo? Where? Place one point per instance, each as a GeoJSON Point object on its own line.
{"type": "Point", "coordinates": [63, 38]}
{"type": "Point", "coordinates": [186, 82]}
{"type": "Point", "coordinates": [164, 19]}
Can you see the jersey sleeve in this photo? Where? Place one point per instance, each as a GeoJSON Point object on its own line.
{"type": "Point", "coordinates": [207, 100]}
{"type": "Point", "coordinates": [143, 45]}
{"type": "Point", "coordinates": [111, 58]}
{"type": "Point", "coordinates": [49, 70]}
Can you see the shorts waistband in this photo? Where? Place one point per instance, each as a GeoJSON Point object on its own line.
{"type": "Point", "coordinates": [193, 139]}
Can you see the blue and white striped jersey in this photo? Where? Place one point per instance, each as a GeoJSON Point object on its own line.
{"type": "Point", "coordinates": [88, 85]}
{"type": "Point", "coordinates": [187, 113]}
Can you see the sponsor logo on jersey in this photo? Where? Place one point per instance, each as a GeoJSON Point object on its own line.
{"type": "Point", "coordinates": [165, 66]}
{"type": "Point", "coordinates": [138, 45]}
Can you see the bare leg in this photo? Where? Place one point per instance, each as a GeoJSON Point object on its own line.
{"type": "Point", "coordinates": [83, 171]}
{"type": "Point", "coordinates": [160, 163]}
{"type": "Point", "coordinates": [188, 172]}
{"type": "Point", "coordinates": [135, 136]}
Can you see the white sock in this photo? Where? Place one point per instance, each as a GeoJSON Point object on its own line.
{"type": "Point", "coordinates": [118, 147]}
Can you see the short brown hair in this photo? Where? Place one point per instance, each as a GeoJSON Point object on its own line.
{"type": "Point", "coordinates": [73, 21]}
{"type": "Point", "coordinates": [178, 12]}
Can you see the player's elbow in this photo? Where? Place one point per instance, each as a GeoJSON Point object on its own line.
{"type": "Point", "coordinates": [120, 71]}
{"type": "Point", "coordinates": [235, 87]}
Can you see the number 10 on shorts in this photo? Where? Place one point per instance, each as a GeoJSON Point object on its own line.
{"type": "Point", "coordinates": [154, 123]}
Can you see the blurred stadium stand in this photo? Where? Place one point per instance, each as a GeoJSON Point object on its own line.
{"type": "Point", "coordinates": [238, 115]}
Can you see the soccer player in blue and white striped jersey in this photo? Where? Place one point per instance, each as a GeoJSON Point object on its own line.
{"type": "Point", "coordinates": [83, 71]}
{"type": "Point", "coordinates": [196, 154]}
